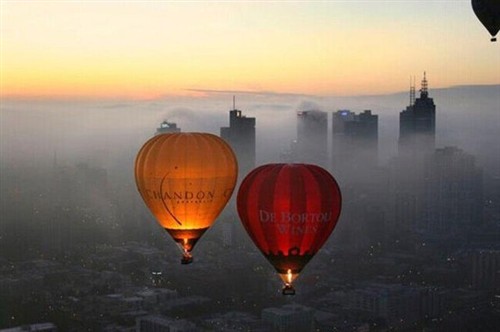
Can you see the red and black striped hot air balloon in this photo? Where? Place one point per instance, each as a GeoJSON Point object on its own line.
{"type": "Point", "coordinates": [289, 211]}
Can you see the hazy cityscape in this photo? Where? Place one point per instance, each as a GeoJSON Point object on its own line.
{"type": "Point", "coordinates": [398, 100]}
{"type": "Point", "coordinates": [416, 247]}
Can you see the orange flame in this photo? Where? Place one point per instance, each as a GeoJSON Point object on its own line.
{"type": "Point", "coordinates": [289, 276]}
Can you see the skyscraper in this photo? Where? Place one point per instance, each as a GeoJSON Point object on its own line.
{"type": "Point", "coordinates": [417, 123]}
{"type": "Point", "coordinates": [417, 132]}
{"type": "Point", "coordinates": [452, 193]}
{"type": "Point", "coordinates": [167, 127]}
{"type": "Point", "coordinates": [241, 137]}
{"type": "Point", "coordinates": [311, 146]}
{"type": "Point", "coordinates": [354, 139]}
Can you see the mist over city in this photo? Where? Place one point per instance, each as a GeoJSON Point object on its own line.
{"type": "Point", "coordinates": [398, 101]}
{"type": "Point", "coordinates": [75, 231]}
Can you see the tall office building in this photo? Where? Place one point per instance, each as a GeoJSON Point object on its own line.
{"type": "Point", "coordinates": [417, 123]}
{"type": "Point", "coordinates": [241, 137]}
{"type": "Point", "coordinates": [354, 139]}
{"type": "Point", "coordinates": [452, 193]}
{"type": "Point", "coordinates": [311, 145]}
{"type": "Point", "coordinates": [167, 127]}
{"type": "Point", "coordinates": [417, 132]}
{"type": "Point", "coordinates": [398, 304]}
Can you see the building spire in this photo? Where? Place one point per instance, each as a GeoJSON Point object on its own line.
{"type": "Point", "coordinates": [234, 102]}
{"type": "Point", "coordinates": [423, 89]}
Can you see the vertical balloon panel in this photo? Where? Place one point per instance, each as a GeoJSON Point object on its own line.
{"type": "Point", "coordinates": [289, 211]}
{"type": "Point", "coordinates": [186, 179]}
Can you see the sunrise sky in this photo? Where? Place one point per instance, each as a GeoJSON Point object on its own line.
{"type": "Point", "coordinates": [146, 49]}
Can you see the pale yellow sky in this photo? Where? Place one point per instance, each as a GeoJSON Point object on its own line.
{"type": "Point", "coordinates": [145, 49]}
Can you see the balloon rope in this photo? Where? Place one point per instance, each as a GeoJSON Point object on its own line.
{"type": "Point", "coordinates": [163, 202]}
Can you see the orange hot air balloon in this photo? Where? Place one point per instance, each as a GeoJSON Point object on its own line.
{"type": "Point", "coordinates": [289, 211]}
{"type": "Point", "coordinates": [186, 179]}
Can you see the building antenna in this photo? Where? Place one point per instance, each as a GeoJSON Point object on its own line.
{"type": "Point", "coordinates": [423, 90]}
{"type": "Point", "coordinates": [412, 90]}
{"type": "Point", "coordinates": [234, 102]}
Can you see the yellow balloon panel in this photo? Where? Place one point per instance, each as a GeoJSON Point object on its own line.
{"type": "Point", "coordinates": [186, 180]}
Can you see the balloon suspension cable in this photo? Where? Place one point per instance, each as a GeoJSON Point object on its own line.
{"type": "Point", "coordinates": [288, 288]}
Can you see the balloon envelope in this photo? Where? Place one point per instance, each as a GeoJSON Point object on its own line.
{"type": "Point", "coordinates": [289, 211]}
{"type": "Point", "coordinates": [186, 179]}
{"type": "Point", "coordinates": [488, 12]}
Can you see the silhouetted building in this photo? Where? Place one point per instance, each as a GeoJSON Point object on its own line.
{"type": "Point", "coordinates": [417, 123]}
{"type": "Point", "coordinates": [391, 302]}
{"type": "Point", "coordinates": [417, 131]}
{"type": "Point", "coordinates": [163, 324]}
{"type": "Point", "coordinates": [289, 155]}
{"type": "Point", "coordinates": [311, 145]}
{"type": "Point", "coordinates": [79, 193]}
{"type": "Point", "coordinates": [41, 327]}
{"type": "Point", "coordinates": [452, 193]}
{"type": "Point", "coordinates": [289, 318]}
{"type": "Point", "coordinates": [406, 190]}
{"type": "Point", "coordinates": [405, 206]}
{"type": "Point", "coordinates": [354, 139]}
{"type": "Point", "coordinates": [235, 321]}
{"type": "Point", "coordinates": [486, 269]}
{"type": "Point", "coordinates": [167, 128]}
{"type": "Point", "coordinates": [398, 304]}
{"type": "Point", "coordinates": [241, 137]}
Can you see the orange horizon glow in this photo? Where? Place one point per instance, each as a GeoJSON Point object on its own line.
{"type": "Point", "coordinates": [52, 50]}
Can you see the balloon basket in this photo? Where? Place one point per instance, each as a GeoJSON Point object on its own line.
{"type": "Point", "coordinates": [186, 259]}
{"type": "Point", "coordinates": [494, 39]}
{"type": "Point", "coordinates": [288, 290]}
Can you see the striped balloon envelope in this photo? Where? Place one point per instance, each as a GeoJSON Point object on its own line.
{"type": "Point", "coordinates": [289, 211]}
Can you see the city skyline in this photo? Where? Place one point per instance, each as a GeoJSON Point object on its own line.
{"type": "Point", "coordinates": [84, 84]}
{"type": "Point", "coordinates": [76, 238]}
{"type": "Point", "coordinates": [385, 267]}
{"type": "Point", "coordinates": [149, 50]}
